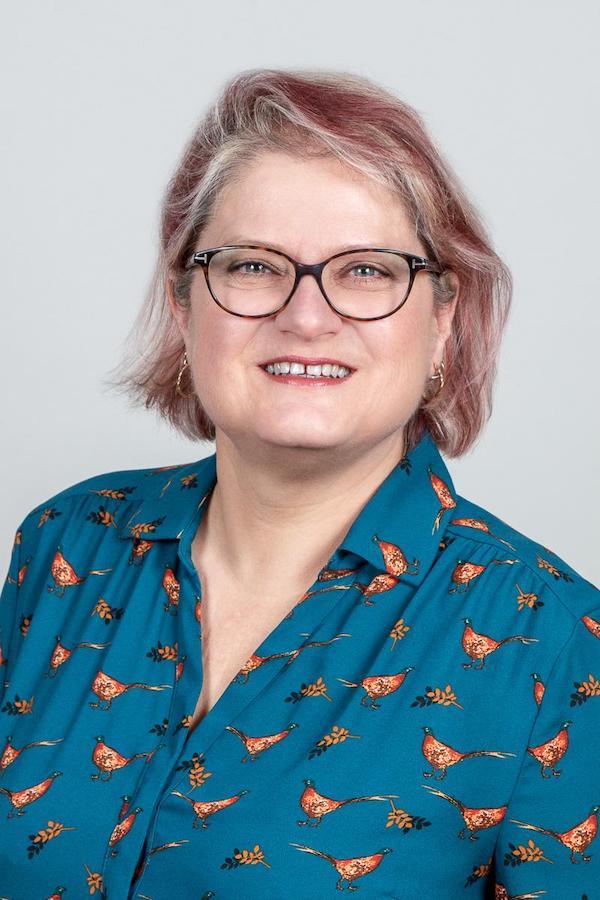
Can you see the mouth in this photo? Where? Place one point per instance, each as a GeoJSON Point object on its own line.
{"type": "Point", "coordinates": [298, 370]}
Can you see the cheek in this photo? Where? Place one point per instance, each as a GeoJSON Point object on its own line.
{"type": "Point", "coordinates": [217, 341]}
{"type": "Point", "coordinates": [404, 351]}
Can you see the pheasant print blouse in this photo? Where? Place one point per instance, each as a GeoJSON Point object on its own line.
{"type": "Point", "coordinates": [423, 724]}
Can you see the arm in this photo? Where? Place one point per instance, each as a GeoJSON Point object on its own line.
{"type": "Point", "coordinates": [549, 840]}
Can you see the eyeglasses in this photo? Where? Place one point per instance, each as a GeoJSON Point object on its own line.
{"type": "Point", "coordinates": [369, 283]}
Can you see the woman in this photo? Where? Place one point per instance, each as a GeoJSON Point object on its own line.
{"type": "Point", "coordinates": [305, 662]}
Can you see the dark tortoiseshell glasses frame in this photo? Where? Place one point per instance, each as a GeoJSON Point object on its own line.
{"type": "Point", "coordinates": [416, 264]}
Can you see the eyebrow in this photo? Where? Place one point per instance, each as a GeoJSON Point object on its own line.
{"type": "Point", "coordinates": [276, 246]}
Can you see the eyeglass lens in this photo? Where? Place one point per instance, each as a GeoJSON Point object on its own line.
{"type": "Point", "coordinates": [364, 284]}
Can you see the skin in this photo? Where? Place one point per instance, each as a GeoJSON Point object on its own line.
{"type": "Point", "coordinates": [295, 465]}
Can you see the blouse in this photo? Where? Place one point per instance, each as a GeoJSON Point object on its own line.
{"type": "Point", "coordinates": [422, 724]}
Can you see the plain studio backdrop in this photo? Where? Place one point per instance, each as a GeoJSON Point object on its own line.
{"type": "Point", "coordinates": [97, 103]}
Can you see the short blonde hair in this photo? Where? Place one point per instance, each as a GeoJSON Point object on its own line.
{"type": "Point", "coordinates": [368, 128]}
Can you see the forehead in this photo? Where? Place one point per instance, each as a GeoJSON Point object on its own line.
{"type": "Point", "coordinates": [302, 202]}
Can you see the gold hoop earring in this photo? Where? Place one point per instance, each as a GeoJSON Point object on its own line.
{"type": "Point", "coordinates": [439, 373]}
{"type": "Point", "coordinates": [184, 365]}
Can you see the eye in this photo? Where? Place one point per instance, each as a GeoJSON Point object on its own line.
{"type": "Point", "coordinates": [369, 267]}
{"type": "Point", "coordinates": [235, 267]}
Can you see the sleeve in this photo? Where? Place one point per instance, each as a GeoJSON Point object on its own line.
{"type": "Point", "coordinates": [9, 602]}
{"type": "Point", "coordinates": [548, 844]}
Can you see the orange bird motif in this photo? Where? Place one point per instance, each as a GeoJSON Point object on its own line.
{"type": "Point", "coordinates": [10, 753]}
{"type": "Point", "coordinates": [481, 525]}
{"type": "Point", "coordinates": [64, 575]}
{"type": "Point", "coordinates": [349, 869]}
{"type": "Point", "coordinates": [377, 686]}
{"type": "Point", "coordinates": [396, 565]}
{"type": "Point", "coordinates": [123, 828]}
{"type": "Point", "coordinates": [500, 893]}
{"type": "Point", "coordinates": [538, 688]}
{"type": "Point", "coordinates": [172, 587]}
{"type": "Point", "coordinates": [317, 805]}
{"type": "Point", "coordinates": [576, 839]}
{"type": "Point", "coordinates": [57, 895]}
{"type": "Point", "coordinates": [61, 654]}
{"type": "Point", "coordinates": [107, 689]}
{"type": "Point", "coordinates": [180, 667]}
{"type": "Point", "coordinates": [20, 799]}
{"type": "Point", "coordinates": [443, 494]}
{"type": "Point", "coordinates": [478, 645]}
{"type": "Point", "coordinates": [394, 560]}
{"type": "Point", "coordinates": [463, 574]}
{"type": "Point", "coordinates": [108, 760]}
{"type": "Point", "coordinates": [205, 808]}
{"type": "Point", "coordinates": [553, 750]}
{"type": "Point", "coordinates": [257, 745]}
{"type": "Point", "coordinates": [475, 819]}
{"type": "Point", "coordinates": [592, 625]}
{"type": "Point", "coordinates": [441, 756]}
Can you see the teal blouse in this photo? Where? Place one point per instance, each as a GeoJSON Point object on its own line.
{"type": "Point", "coordinates": [423, 724]}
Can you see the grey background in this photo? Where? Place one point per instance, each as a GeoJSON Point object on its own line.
{"type": "Point", "coordinates": [97, 102]}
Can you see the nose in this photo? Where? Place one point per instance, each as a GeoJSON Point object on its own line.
{"type": "Point", "coordinates": [307, 311]}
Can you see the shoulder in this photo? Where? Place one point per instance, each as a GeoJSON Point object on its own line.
{"type": "Point", "coordinates": [104, 498]}
{"type": "Point", "coordinates": [545, 568]}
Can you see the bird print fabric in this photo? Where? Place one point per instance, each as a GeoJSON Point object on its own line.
{"type": "Point", "coordinates": [423, 724]}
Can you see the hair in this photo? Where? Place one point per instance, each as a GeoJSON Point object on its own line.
{"type": "Point", "coordinates": [368, 128]}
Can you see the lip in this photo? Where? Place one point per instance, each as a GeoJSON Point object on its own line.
{"type": "Point", "coordinates": [320, 361]}
{"type": "Point", "coordinates": [307, 383]}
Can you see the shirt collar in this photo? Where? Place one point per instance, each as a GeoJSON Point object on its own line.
{"type": "Point", "coordinates": [408, 510]}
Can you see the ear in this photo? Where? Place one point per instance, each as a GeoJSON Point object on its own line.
{"type": "Point", "coordinates": [180, 313]}
{"type": "Point", "coordinates": [443, 316]}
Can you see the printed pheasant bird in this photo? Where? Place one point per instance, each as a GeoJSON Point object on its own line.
{"type": "Point", "coordinates": [441, 756]}
{"type": "Point", "coordinates": [553, 750]}
{"type": "Point", "coordinates": [257, 745]}
{"type": "Point", "coordinates": [379, 584]}
{"type": "Point", "coordinates": [502, 894]}
{"type": "Point", "coordinates": [481, 525]}
{"type": "Point", "coordinates": [394, 560]}
{"type": "Point", "coordinates": [442, 492]}
{"type": "Point", "coordinates": [205, 808]}
{"type": "Point", "coordinates": [477, 645]}
{"type": "Point", "coordinates": [20, 799]}
{"type": "Point", "coordinates": [108, 760]}
{"type": "Point", "coordinates": [10, 753]}
{"type": "Point", "coordinates": [592, 625]}
{"type": "Point", "coordinates": [172, 588]}
{"type": "Point", "coordinates": [61, 654]}
{"type": "Point", "coordinates": [123, 828]}
{"type": "Point", "coordinates": [56, 894]}
{"type": "Point", "coordinates": [463, 574]}
{"type": "Point", "coordinates": [475, 819]}
{"type": "Point", "coordinates": [377, 686]}
{"type": "Point", "coordinates": [317, 805]}
{"type": "Point", "coordinates": [107, 689]}
{"type": "Point", "coordinates": [349, 869]}
{"type": "Point", "coordinates": [64, 574]}
{"type": "Point", "coordinates": [538, 688]}
{"type": "Point", "coordinates": [576, 839]}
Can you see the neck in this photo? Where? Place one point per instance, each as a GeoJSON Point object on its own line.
{"type": "Point", "coordinates": [275, 518]}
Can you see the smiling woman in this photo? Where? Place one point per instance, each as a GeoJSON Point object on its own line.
{"type": "Point", "coordinates": [310, 626]}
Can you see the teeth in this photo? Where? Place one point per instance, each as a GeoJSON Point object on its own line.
{"type": "Point", "coordinates": [295, 368]}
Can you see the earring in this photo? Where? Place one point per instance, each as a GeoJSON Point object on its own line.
{"type": "Point", "coordinates": [439, 373]}
{"type": "Point", "coordinates": [184, 365]}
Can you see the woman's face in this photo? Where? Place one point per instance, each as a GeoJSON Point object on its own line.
{"type": "Point", "coordinates": [310, 209]}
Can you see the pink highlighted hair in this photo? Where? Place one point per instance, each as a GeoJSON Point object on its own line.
{"type": "Point", "coordinates": [373, 131]}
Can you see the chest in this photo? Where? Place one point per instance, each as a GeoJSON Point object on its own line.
{"type": "Point", "coordinates": [233, 627]}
